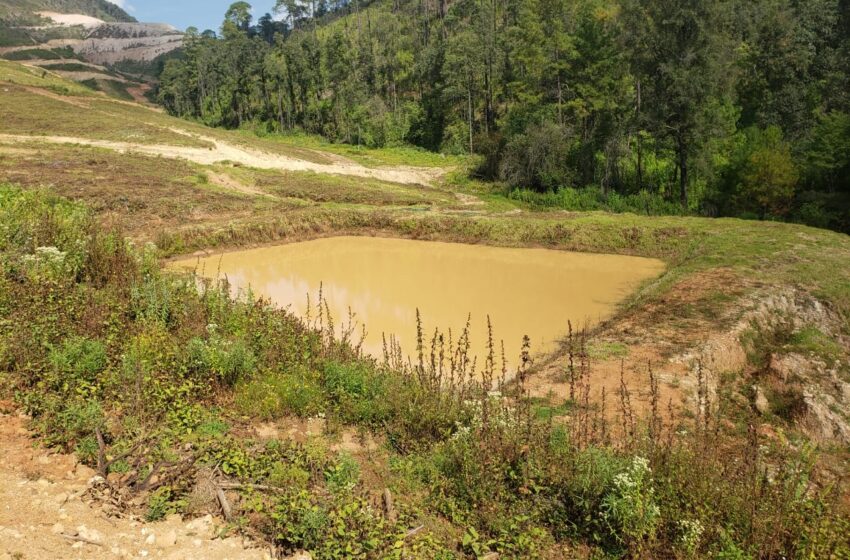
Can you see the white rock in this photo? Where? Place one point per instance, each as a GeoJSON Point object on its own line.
{"type": "Point", "coordinates": [57, 528]}
{"type": "Point", "coordinates": [202, 525]}
{"type": "Point", "coordinates": [761, 402]}
{"type": "Point", "coordinates": [10, 533]}
{"type": "Point", "coordinates": [168, 539]}
{"type": "Point", "coordinates": [151, 539]}
{"type": "Point", "coordinates": [89, 534]}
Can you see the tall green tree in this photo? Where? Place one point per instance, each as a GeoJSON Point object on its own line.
{"type": "Point", "coordinates": [677, 50]}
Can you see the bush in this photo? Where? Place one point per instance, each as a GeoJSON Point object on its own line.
{"type": "Point", "coordinates": [343, 476]}
{"type": "Point", "coordinates": [593, 199]}
{"type": "Point", "coordinates": [761, 176]}
{"type": "Point", "coordinates": [539, 158]}
{"type": "Point", "coordinates": [76, 364]}
{"type": "Point", "coordinates": [273, 395]}
{"type": "Point", "coordinates": [630, 508]}
{"type": "Point", "coordinates": [228, 361]}
{"type": "Point", "coordinates": [358, 392]}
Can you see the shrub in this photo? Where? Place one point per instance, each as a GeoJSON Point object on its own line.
{"type": "Point", "coordinates": [539, 158]}
{"type": "Point", "coordinates": [273, 395]}
{"type": "Point", "coordinates": [593, 199]}
{"type": "Point", "coordinates": [227, 360]}
{"type": "Point", "coordinates": [343, 476]}
{"type": "Point", "coordinates": [630, 508]}
{"type": "Point", "coordinates": [298, 522]}
{"type": "Point", "coordinates": [358, 391]}
{"type": "Point", "coordinates": [76, 364]}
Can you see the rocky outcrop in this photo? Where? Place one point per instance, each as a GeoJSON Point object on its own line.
{"type": "Point", "coordinates": [823, 389]}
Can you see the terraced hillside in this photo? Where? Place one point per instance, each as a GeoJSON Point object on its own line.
{"type": "Point", "coordinates": [85, 41]}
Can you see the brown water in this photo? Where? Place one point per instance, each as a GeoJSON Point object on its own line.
{"type": "Point", "coordinates": [530, 292]}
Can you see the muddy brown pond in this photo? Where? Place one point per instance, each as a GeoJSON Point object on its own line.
{"type": "Point", "coordinates": [532, 292]}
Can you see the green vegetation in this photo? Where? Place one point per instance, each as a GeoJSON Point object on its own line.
{"type": "Point", "coordinates": [67, 67]}
{"type": "Point", "coordinates": [713, 108]}
{"type": "Point", "coordinates": [115, 359]}
{"type": "Point", "coordinates": [41, 54]}
{"type": "Point", "coordinates": [13, 73]}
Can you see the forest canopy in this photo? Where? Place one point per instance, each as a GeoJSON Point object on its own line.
{"type": "Point", "coordinates": [718, 107]}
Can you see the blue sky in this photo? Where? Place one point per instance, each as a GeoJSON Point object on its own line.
{"type": "Point", "coordinates": [203, 14]}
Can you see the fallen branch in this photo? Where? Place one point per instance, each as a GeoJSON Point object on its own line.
{"type": "Point", "coordinates": [154, 471]}
{"type": "Point", "coordinates": [225, 505]}
{"type": "Point", "coordinates": [414, 532]}
{"type": "Point", "coordinates": [81, 539]}
{"type": "Point", "coordinates": [101, 453]}
{"type": "Point", "coordinates": [389, 506]}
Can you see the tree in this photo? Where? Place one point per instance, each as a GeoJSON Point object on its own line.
{"type": "Point", "coordinates": [677, 52]}
{"type": "Point", "coordinates": [768, 180]}
{"type": "Point", "coordinates": [239, 14]}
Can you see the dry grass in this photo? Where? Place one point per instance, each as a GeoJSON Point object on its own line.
{"type": "Point", "coordinates": [24, 111]}
{"type": "Point", "coordinates": [141, 193]}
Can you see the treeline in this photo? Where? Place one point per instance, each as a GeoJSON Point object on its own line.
{"type": "Point", "coordinates": [728, 107]}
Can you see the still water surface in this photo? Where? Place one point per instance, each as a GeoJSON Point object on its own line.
{"type": "Point", "coordinates": [384, 281]}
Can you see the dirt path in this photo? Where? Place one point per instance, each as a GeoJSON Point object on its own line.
{"type": "Point", "coordinates": [225, 181]}
{"type": "Point", "coordinates": [223, 151]}
{"type": "Point", "coordinates": [45, 514]}
{"type": "Point", "coordinates": [138, 92]}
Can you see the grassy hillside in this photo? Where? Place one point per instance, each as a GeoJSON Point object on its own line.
{"type": "Point", "coordinates": [162, 386]}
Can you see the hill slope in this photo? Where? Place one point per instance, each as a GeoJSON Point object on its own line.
{"type": "Point", "coordinates": [11, 10]}
{"type": "Point", "coordinates": [92, 31]}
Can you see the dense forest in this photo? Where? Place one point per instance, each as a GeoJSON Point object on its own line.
{"type": "Point", "coordinates": [718, 107]}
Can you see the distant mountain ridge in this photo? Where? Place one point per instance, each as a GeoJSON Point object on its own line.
{"type": "Point", "coordinates": [15, 10]}
{"type": "Point", "coordinates": [94, 42]}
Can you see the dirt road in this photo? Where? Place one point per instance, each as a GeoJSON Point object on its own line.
{"type": "Point", "coordinates": [223, 151]}
{"type": "Point", "coordinates": [45, 514]}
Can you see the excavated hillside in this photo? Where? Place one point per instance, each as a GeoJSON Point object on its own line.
{"type": "Point", "coordinates": [87, 32]}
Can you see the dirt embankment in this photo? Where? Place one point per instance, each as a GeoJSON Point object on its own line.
{"type": "Point", "coordinates": [47, 512]}
{"type": "Point", "coordinates": [682, 341]}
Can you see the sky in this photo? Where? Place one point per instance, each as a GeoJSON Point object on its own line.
{"type": "Point", "coordinates": [203, 14]}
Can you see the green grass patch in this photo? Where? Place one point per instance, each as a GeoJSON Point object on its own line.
{"type": "Point", "coordinates": [370, 157]}
{"type": "Point", "coordinates": [598, 350]}
{"type": "Point", "coordinates": [812, 341]}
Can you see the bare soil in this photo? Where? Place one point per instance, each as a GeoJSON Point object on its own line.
{"type": "Point", "coordinates": [47, 513]}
